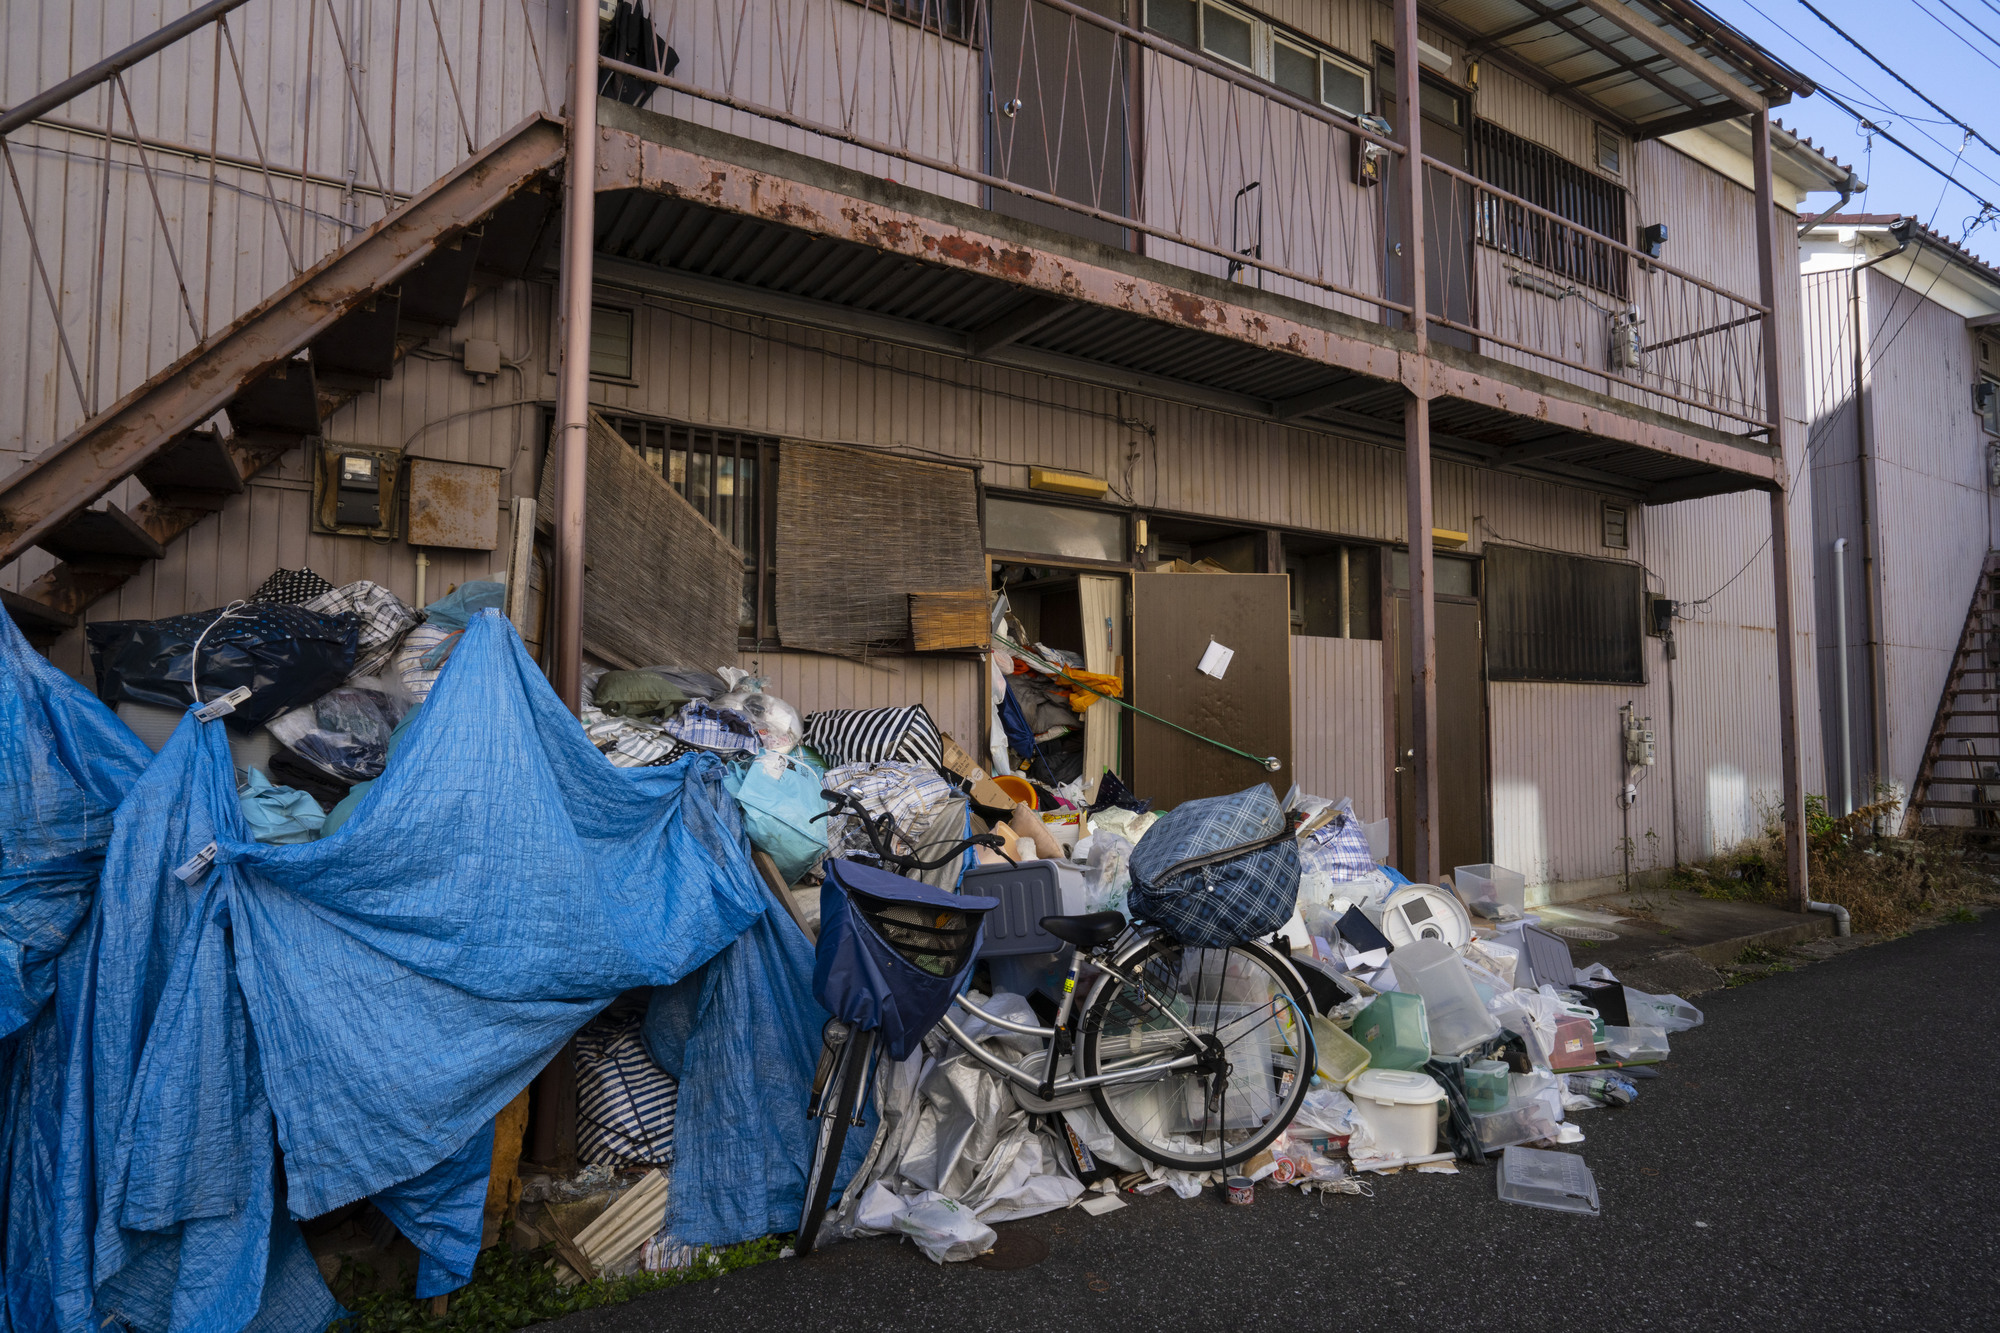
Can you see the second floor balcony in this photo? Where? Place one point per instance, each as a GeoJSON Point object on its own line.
{"type": "Point", "coordinates": [1188, 198]}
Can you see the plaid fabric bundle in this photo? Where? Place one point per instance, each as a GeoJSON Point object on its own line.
{"type": "Point", "coordinates": [1219, 871]}
{"type": "Point", "coordinates": [381, 619]}
{"type": "Point", "coordinates": [628, 743]}
{"type": "Point", "coordinates": [876, 735]}
{"type": "Point", "coordinates": [911, 794]}
{"type": "Point", "coordinates": [625, 1103]}
{"type": "Point", "coordinates": [1340, 848]}
{"type": "Point", "coordinates": [703, 725]}
{"type": "Point", "coordinates": [409, 659]}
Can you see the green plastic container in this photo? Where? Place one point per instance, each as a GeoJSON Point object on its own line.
{"type": "Point", "coordinates": [1393, 1029]}
{"type": "Point", "coordinates": [1486, 1086]}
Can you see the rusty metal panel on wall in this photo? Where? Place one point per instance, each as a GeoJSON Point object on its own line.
{"type": "Point", "coordinates": [454, 504]}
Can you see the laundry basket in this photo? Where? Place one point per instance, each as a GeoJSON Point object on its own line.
{"type": "Point", "coordinates": [892, 951]}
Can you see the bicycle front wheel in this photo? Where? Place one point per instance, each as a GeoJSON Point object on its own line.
{"type": "Point", "coordinates": [836, 1112]}
{"type": "Point", "coordinates": [1243, 1017]}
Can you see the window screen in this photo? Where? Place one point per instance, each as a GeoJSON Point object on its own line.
{"type": "Point", "coordinates": [1556, 617]}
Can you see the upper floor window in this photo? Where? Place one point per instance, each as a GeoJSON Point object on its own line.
{"type": "Point", "coordinates": [948, 18]}
{"type": "Point", "coordinates": [1302, 68]}
{"type": "Point", "coordinates": [1534, 173]}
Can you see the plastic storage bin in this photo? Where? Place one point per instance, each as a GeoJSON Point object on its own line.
{"type": "Point", "coordinates": [1635, 1045]}
{"type": "Point", "coordinates": [1574, 1045]}
{"type": "Point", "coordinates": [1529, 1122]}
{"type": "Point", "coordinates": [1400, 1108]}
{"type": "Point", "coordinates": [1543, 1179]}
{"type": "Point", "coordinates": [1393, 1029]}
{"type": "Point", "coordinates": [1492, 891]}
{"type": "Point", "coordinates": [1486, 1086]}
{"type": "Point", "coordinates": [1338, 1056]}
{"type": "Point", "coordinates": [1027, 893]}
{"type": "Point", "coordinates": [1457, 1020]}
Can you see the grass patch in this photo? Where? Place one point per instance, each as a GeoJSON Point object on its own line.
{"type": "Point", "coordinates": [514, 1288]}
{"type": "Point", "coordinates": [1886, 884]}
{"type": "Point", "coordinates": [1962, 916]}
{"type": "Point", "coordinates": [1756, 955]}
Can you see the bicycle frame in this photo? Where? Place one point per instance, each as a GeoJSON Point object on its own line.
{"type": "Point", "coordinates": [1047, 1086]}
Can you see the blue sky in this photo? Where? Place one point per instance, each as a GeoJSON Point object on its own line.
{"type": "Point", "coordinates": [1953, 57]}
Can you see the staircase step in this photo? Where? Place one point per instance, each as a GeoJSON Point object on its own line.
{"type": "Point", "coordinates": [1929, 804]}
{"type": "Point", "coordinates": [197, 469]}
{"type": "Point", "coordinates": [516, 233]}
{"type": "Point", "coordinates": [435, 293]}
{"type": "Point", "coordinates": [362, 343]}
{"type": "Point", "coordinates": [39, 622]}
{"type": "Point", "coordinates": [103, 540]}
{"type": "Point", "coordinates": [285, 400]}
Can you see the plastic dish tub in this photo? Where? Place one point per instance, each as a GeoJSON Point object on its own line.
{"type": "Point", "coordinates": [1394, 1030]}
{"type": "Point", "coordinates": [1338, 1056]}
{"type": "Point", "coordinates": [1543, 1179]}
{"type": "Point", "coordinates": [1492, 891]}
{"type": "Point", "coordinates": [1457, 1020]}
{"type": "Point", "coordinates": [1400, 1108]}
{"type": "Point", "coordinates": [1486, 1086]}
{"type": "Point", "coordinates": [1529, 1122]}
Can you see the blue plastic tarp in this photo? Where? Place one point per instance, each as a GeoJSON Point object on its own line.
{"type": "Point", "coordinates": [366, 1002]}
{"type": "Point", "coordinates": [65, 763]}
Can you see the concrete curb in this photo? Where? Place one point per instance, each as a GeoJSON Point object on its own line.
{"type": "Point", "coordinates": [1720, 952]}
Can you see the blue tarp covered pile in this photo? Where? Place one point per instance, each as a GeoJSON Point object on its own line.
{"type": "Point", "coordinates": [363, 1004]}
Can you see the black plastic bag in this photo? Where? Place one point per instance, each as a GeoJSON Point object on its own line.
{"type": "Point", "coordinates": [285, 655]}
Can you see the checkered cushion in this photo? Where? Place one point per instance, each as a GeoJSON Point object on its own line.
{"type": "Point", "coordinates": [381, 620]}
{"type": "Point", "coordinates": [1249, 891]}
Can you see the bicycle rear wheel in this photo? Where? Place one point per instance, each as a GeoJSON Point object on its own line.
{"type": "Point", "coordinates": [1245, 1017]}
{"type": "Point", "coordinates": [836, 1111]}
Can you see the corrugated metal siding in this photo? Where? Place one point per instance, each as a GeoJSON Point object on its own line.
{"type": "Point", "coordinates": [1929, 457]}
{"type": "Point", "coordinates": [1337, 721]}
{"type": "Point", "coordinates": [948, 687]}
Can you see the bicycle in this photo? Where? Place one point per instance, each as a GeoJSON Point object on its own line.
{"type": "Point", "coordinates": [1196, 1058]}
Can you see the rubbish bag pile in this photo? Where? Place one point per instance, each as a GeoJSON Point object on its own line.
{"type": "Point", "coordinates": [298, 923]}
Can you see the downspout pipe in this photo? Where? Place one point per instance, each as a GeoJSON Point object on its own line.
{"type": "Point", "coordinates": [1846, 701]}
{"type": "Point", "coordinates": [1848, 188]}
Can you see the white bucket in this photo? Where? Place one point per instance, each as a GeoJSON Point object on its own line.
{"type": "Point", "coordinates": [1400, 1108]}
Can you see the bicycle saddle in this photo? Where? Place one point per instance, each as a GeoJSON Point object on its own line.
{"type": "Point", "coordinates": [1086, 931]}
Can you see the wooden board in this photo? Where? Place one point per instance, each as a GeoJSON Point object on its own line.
{"type": "Point", "coordinates": [661, 586]}
{"type": "Point", "coordinates": [956, 619]}
{"type": "Point", "coordinates": [1173, 618]}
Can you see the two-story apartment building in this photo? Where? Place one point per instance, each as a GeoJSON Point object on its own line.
{"type": "Point", "coordinates": [1042, 295]}
{"type": "Point", "coordinates": [1903, 374]}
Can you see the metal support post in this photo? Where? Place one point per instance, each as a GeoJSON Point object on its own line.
{"type": "Point", "coordinates": [1424, 857]}
{"type": "Point", "coordinates": [1781, 536]}
{"type": "Point", "coordinates": [572, 449]}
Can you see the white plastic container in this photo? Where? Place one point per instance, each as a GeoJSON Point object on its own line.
{"type": "Point", "coordinates": [1458, 1021]}
{"type": "Point", "coordinates": [1492, 891]}
{"type": "Point", "coordinates": [1400, 1108]}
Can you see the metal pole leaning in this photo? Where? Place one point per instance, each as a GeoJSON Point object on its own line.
{"type": "Point", "coordinates": [1422, 859]}
{"type": "Point", "coordinates": [572, 451]}
{"type": "Point", "coordinates": [1781, 537]}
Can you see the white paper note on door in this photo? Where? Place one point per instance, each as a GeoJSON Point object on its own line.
{"type": "Point", "coordinates": [1215, 660]}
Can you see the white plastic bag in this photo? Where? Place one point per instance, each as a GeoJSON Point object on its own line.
{"type": "Point", "coordinates": [946, 1232]}
{"type": "Point", "coordinates": [1669, 1013]}
{"type": "Point", "coordinates": [1107, 877]}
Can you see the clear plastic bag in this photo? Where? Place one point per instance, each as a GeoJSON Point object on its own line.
{"type": "Point", "coordinates": [345, 732]}
{"type": "Point", "coordinates": [1107, 877]}
{"type": "Point", "coordinates": [778, 724]}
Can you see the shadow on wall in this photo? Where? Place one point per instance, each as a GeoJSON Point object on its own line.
{"type": "Point", "coordinates": [1520, 837]}
{"type": "Point", "coordinates": [1728, 816]}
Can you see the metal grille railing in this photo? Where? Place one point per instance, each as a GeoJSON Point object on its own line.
{"type": "Point", "coordinates": [1049, 111]}
{"type": "Point", "coordinates": [1520, 283]}
{"type": "Point", "coordinates": [154, 197]}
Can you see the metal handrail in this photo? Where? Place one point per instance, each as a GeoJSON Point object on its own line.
{"type": "Point", "coordinates": [82, 82]}
{"type": "Point", "coordinates": [1596, 238]}
{"type": "Point", "coordinates": [977, 177]}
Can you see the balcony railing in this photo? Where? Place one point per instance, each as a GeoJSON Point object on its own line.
{"type": "Point", "coordinates": [1520, 283]}
{"type": "Point", "coordinates": [1047, 111]}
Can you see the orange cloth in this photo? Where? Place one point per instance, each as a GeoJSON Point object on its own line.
{"type": "Point", "coordinates": [1082, 699]}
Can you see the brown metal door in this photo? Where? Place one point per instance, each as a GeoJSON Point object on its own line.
{"type": "Point", "coordinates": [1461, 737]}
{"type": "Point", "coordinates": [1174, 616]}
{"type": "Point", "coordinates": [1448, 252]}
{"type": "Point", "coordinates": [1059, 93]}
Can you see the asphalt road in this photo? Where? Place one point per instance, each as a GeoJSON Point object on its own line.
{"type": "Point", "coordinates": [1820, 1154]}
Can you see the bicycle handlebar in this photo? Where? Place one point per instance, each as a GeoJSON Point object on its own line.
{"type": "Point", "coordinates": [881, 832]}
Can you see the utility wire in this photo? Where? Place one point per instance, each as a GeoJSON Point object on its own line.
{"type": "Point", "coordinates": [1956, 33]}
{"type": "Point", "coordinates": [1968, 22]}
{"type": "Point", "coordinates": [1877, 62]}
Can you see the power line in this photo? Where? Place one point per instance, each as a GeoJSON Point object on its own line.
{"type": "Point", "coordinates": [1956, 33]}
{"type": "Point", "coordinates": [1878, 63]}
{"type": "Point", "coordinates": [1873, 128]}
{"type": "Point", "coordinates": [1968, 22]}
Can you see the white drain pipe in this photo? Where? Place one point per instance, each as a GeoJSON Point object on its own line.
{"type": "Point", "coordinates": [1835, 910]}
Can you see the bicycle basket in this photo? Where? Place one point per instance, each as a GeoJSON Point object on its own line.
{"type": "Point", "coordinates": [1218, 871]}
{"type": "Point", "coordinates": [892, 951]}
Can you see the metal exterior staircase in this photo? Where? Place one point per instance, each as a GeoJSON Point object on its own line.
{"type": "Point", "coordinates": [336, 330]}
{"type": "Point", "coordinates": [1969, 760]}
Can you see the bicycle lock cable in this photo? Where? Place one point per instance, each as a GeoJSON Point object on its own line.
{"type": "Point", "coordinates": [1270, 763]}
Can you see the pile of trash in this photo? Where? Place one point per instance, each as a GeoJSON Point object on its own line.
{"type": "Point", "coordinates": [298, 923]}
